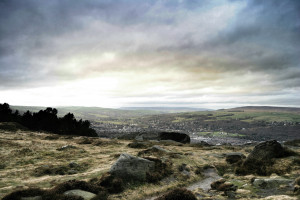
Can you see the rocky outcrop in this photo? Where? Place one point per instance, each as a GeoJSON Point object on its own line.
{"type": "Point", "coordinates": [266, 151]}
{"type": "Point", "coordinates": [131, 168]}
{"type": "Point", "coordinates": [81, 193]}
{"type": "Point", "coordinates": [261, 159]}
{"type": "Point", "coordinates": [234, 157]}
{"type": "Point", "coordinates": [222, 185]}
{"type": "Point", "coordinates": [178, 137]}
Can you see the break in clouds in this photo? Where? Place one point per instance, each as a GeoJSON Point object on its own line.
{"type": "Point", "coordinates": [114, 53]}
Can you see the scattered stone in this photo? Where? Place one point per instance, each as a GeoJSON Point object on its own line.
{"type": "Point", "coordinates": [178, 194]}
{"type": "Point", "coordinates": [72, 171]}
{"type": "Point", "coordinates": [183, 167]}
{"type": "Point", "coordinates": [178, 137]}
{"type": "Point", "coordinates": [84, 194]}
{"type": "Point", "coordinates": [297, 181]}
{"type": "Point", "coordinates": [85, 140]}
{"type": "Point", "coordinates": [155, 149]}
{"type": "Point", "coordinates": [51, 137]}
{"type": "Point", "coordinates": [280, 197]}
{"type": "Point", "coordinates": [139, 138]}
{"type": "Point", "coordinates": [269, 183]}
{"type": "Point", "coordinates": [138, 145]}
{"type": "Point", "coordinates": [73, 165]}
{"type": "Point", "coordinates": [231, 194]}
{"type": "Point", "coordinates": [222, 185]}
{"type": "Point", "coordinates": [66, 147]}
{"type": "Point", "coordinates": [131, 168]}
{"type": "Point", "coordinates": [297, 190]}
{"type": "Point", "coordinates": [234, 157]}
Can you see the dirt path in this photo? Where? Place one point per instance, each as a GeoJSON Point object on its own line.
{"type": "Point", "coordinates": [210, 175]}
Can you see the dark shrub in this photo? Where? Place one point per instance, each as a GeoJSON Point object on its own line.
{"type": "Point", "coordinates": [31, 192]}
{"type": "Point", "coordinates": [75, 184]}
{"type": "Point", "coordinates": [111, 183]}
{"type": "Point", "coordinates": [178, 194]}
{"type": "Point", "coordinates": [161, 170]}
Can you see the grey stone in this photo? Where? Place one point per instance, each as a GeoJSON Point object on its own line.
{"type": "Point", "coordinates": [73, 164]}
{"type": "Point", "coordinates": [234, 157]}
{"type": "Point", "coordinates": [132, 168]}
{"type": "Point", "coordinates": [157, 148]}
{"type": "Point", "coordinates": [84, 194]}
{"type": "Point", "coordinates": [66, 147]}
{"type": "Point", "coordinates": [139, 138]}
{"type": "Point", "coordinates": [32, 198]}
{"type": "Point", "coordinates": [266, 151]}
{"type": "Point", "coordinates": [269, 183]}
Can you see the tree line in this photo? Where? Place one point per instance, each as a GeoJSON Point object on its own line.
{"type": "Point", "coordinates": [47, 120]}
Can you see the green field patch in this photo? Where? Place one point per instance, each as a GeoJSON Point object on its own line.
{"type": "Point", "coordinates": [219, 134]}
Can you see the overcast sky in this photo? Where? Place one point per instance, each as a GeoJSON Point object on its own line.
{"type": "Point", "coordinates": [116, 53]}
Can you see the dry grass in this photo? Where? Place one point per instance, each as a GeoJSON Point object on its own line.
{"type": "Point", "coordinates": [23, 152]}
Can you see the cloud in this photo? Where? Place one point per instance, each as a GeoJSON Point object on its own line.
{"type": "Point", "coordinates": [172, 50]}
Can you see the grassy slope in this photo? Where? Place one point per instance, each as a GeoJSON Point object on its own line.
{"type": "Point", "coordinates": [23, 152]}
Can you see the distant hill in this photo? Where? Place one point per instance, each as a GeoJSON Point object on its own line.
{"type": "Point", "coordinates": [167, 109]}
{"type": "Point", "coordinates": [264, 109]}
{"type": "Point", "coordinates": [91, 113]}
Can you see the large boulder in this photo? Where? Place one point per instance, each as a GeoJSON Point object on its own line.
{"type": "Point", "coordinates": [131, 168]}
{"type": "Point", "coordinates": [261, 159]}
{"type": "Point", "coordinates": [266, 151]}
{"type": "Point", "coordinates": [178, 137]}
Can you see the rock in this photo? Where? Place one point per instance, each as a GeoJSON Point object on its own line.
{"type": "Point", "coordinates": [131, 168]}
{"type": "Point", "coordinates": [186, 173]}
{"type": "Point", "coordinates": [72, 171]}
{"type": "Point", "coordinates": [73, 164]}
{"type": "Point", "coordinates": [157, 148]}
{"type": "Point", "coordinates": [297, 190]}
{"type": "Point", "coordinates": [32, 198]}
{"type": "Point", "coordinates": [84, 194]}
{"type": "Point", "coordinates": [231, 194]}
{"type": "Point", "coordinates": [234, 157]}
{"type": "Point", "coordinates": [266, 151]}
{"type": "Point", "coordinates": [269, 183]}
{"type": "Point", "coordinates": [137, 144]}
{"type": "Point", "coordinates": [183, 167]}
{"type": "Point", "coordinates": [222, 185]}
{"type": "Point", "coordinates": [66, 147]}
{"type": "Point", "coordinates": [139, 138]}
{"type": "Point", "coordinates": [259, 161]}
{"type": "Point", "coordinates": [153, 150]}
{"type": "Point", "coordinates": [297, 181]}
{"type": "Point", "coordinates": [178, 137]}
{"type": "Point", "coordinates": [280, 197]}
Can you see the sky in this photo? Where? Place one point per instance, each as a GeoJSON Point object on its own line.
{"type": "Point", "coordinates": [140, 53]}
